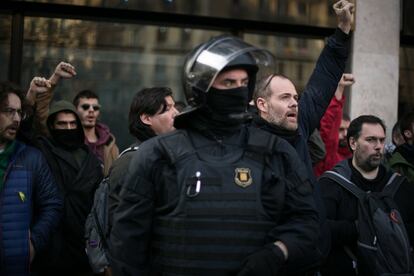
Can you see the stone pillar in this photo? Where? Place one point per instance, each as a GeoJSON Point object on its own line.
{"type": "Point", "coordinates": [375, 60]}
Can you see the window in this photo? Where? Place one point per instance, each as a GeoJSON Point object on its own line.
{"type": "Point", "coordinates": [114, 60]}
{"type": "Point", "coordinates": [5, 35]}
{"type": "Point", "coordinates": [406, 85]}
{"type": "Point", "coordinates": [263, 10]}
{"type": "Point", "coordinates": [295, 57]}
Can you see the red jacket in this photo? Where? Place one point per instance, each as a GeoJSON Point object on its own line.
{"type": "Point", "coordinates": [329, 129]}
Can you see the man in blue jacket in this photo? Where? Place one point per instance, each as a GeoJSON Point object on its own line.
{"type": "Point", "coordinates": [30, 205]}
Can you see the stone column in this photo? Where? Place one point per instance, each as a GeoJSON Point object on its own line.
{"type": "Point", "coordinates": [375, 60]}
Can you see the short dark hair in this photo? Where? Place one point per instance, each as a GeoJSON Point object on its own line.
{"type": "Point", "coordinates": [7, 88]}
{"type": "Point", "coordinates": [87, 94]}
{"type": "Point", "coordinates": [406, 123]}
{"type": "Point", "coordinates": [146, 101]}
{"type": "Point", "coordinates": [355, 126]}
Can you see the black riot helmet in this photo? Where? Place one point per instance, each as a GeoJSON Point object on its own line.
{"type": "Point", "coordinates": [222, 53]}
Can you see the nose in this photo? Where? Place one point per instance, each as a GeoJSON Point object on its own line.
{"type": "Point", "coordinates": [293, 103]}
{"type": "Point", "coordinates": [16, 117]}
{"type": "Point", "coordinates": [174, 111]}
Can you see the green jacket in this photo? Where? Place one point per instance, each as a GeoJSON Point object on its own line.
{"type": "Point", "coordinates": [399, 164]}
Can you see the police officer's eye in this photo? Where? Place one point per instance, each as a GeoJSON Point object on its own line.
{"type": "Point", "coordinates": [228, 83]}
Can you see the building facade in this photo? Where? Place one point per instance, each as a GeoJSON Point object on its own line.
{"type": "Point", "coordinates": [121, 46]}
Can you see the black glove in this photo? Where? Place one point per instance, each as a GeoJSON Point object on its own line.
{"type": "Point", "coordinates": [265, 262]}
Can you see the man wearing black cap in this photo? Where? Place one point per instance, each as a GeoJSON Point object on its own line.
{"type": "Point", "coordinates": [215, 196]}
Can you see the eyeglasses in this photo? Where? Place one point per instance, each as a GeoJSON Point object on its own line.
{"type": "Point", "coordinates": [11, 112]}
{"type": "Point", "coordinates": [95, 107]}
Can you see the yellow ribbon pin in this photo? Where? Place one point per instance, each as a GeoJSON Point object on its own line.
{"type": "Point", "coordinates": [22, 196]}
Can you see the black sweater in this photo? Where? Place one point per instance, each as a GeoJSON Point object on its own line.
{"type": "Point", "coordinates": [342, 212]}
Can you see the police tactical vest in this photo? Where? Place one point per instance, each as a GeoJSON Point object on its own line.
{"type": "Point", "coordinates": [219, 219]}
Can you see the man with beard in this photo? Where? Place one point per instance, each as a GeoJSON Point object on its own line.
{"type": "Point", "coordinates": [334, 127]}
{"type": "Point", "coordinates": [366, 136]}
{"type": "Point", "coordinates": [402, 159]}
{"type": "Point", "coordinates": [77, 172]}
{"type": "Point", "coordinates": [216, 196]}
{"type": "Point", "coordinates": [30, 204]}
{"type": "Point", "coordinates": [282, 112]}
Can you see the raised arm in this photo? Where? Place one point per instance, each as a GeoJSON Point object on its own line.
{"type": "Point", "coordinates": [63, 70]}
{"type": "Point", "coordinates": [328, 71]}
{"type": "Point", "coordinates": [345, 14]}
{"type": "Point", "coordinates": [330, 123]}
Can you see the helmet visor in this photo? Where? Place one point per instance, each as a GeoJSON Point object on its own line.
{"type": "Point", "coordinates": [212, 59]}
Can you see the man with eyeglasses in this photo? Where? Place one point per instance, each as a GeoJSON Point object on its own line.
{"type": "Point", "coordinates": [78, 173]}
{"type": "Point", "coordinates": [30, 205]}
{"type": "Point", "coordinates": [97, 135]}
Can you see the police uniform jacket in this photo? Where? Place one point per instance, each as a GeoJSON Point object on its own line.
{"type": "Point", "coordinates": [193, 204]}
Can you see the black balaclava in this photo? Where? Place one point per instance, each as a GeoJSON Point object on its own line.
{"type": "Point", "coordinates": [69, 139]}
{"type": "Point", "coordinates": [228, 103]}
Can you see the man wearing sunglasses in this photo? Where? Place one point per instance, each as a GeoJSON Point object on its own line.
{"type": "Point", "coordinates": [97, 135]}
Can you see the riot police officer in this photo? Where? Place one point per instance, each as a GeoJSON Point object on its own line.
{"type": "Point", "coordinates": [216, 196]}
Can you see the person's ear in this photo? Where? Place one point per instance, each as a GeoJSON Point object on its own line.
{"type": "Point", "coordinates": [352, 143]}
{"type": "Point", "coordinates": [262, 105]}
{"type": "Point", "coordinates": [408, 134]}
{"type": "Point", "coordinates": [146, 119]}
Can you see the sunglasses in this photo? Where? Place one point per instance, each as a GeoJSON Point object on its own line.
{"type": "Point", "coordinates": [95, 107]}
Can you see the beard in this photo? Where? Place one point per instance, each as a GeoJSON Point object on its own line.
{"type": "Point", "coordinates": [5, 137]}
{"type": "Point", "coordinates": [371, 163]}
{"type": "Point", "coordinates": [342, 143]}
{"type": "Point", "coordinates": [281, 121]}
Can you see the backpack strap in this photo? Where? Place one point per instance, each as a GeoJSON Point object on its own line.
{"type": "Point", "coordinates": [393, 184]}
{"type": "Point", "coordinates": [345, 183]}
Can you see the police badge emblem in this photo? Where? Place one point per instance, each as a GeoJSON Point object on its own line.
{"type": "Point", "coordinates": [243, 177]}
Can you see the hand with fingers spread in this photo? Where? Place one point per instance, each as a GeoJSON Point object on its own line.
{"type": "Point", "coordinates": [63, 70]}
{"type": "Point", "coordinates": [345, 13]}
{"type": "Point", "coordinates": [38, 85]}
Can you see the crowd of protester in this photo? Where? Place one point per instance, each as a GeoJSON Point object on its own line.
{"type": "Point", "coordinates": [248, 179]}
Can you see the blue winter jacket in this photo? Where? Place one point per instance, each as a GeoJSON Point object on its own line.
{"type": "Point", "coordinates": [29, 201]}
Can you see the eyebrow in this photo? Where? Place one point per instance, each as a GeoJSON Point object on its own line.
{"type": "Point", "coordinates": [66, 122]}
